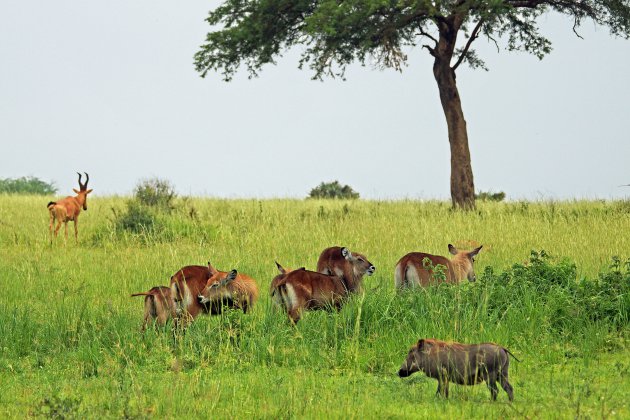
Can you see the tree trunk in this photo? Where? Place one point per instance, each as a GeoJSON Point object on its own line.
{"type": "Point", "coordinates": [462, 184]}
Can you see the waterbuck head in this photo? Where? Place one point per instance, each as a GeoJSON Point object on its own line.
{"type": "Point", "coordinates": [83, 191]}
{"type": "Point", "coordinates": [360, 264]}
{"type": "Point", "coordinates": [463, 262]}
{"type": "Point", "coordinates": [216, 285]}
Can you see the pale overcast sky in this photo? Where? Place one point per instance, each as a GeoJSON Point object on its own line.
{"type": "Point", "coordinates": [109, 88]}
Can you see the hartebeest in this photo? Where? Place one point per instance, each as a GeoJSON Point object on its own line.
{"type": "Point", "coordinates": [418, 268]}
{"type": "Point", "coordinates": [159, 306]}
{"type": "Point", "coordinates": [68, 209]}
{"type": "Point", "coordinates": [341, 274]}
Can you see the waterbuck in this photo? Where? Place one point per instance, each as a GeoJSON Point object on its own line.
{"type": "Point", "coordinates": [350, 266]}
{"type": "Point", "coordinates": [339, 274]}
{"type": "Point", "coordinates": [418, 268]}
{"type": "Point", "coordinates": [68, 209]}
{"type": "Point", "coordinates": [159, 306]}
{"type": "Point", "coordinates": [463, 364]}
{"type": "Point", "coordinates": [229, 290]}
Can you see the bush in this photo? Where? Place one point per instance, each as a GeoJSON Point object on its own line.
{"type": "Point", "coordinates": [27, 185]}
{"type": "Point", "coordinates": [155, 192]}
{"type": "Point", "coordinates": [138, 218]}
{"type": "Point", "coordinates": [333, 190]}
{"type": "Point", "coordinates": [489, 196]}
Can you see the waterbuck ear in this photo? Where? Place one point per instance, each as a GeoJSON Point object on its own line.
{"type": "Point", "coordinates": [345, 252]}
{"type": "Point", "coordinates": [474, 252]}
{"type": "Point", "coordinates": [452, 249]}
{"type": "Point", "coordinates": [231, 275]}
{"type": "Point", "coordinates": [280, 268]}
{"type": "Point", "coordinates": [76, 191]}
{"type": "Point", "coordinates": [211, 269]}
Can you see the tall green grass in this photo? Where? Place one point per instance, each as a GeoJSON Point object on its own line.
{"type": "Point", "coordinates": [69, 332]}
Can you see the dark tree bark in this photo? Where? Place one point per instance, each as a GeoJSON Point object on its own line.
{"type": "Point", "coordinates": [462, 184]}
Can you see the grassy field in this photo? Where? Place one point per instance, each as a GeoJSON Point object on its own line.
{"type": "Point", "coordinates": [69, 332]}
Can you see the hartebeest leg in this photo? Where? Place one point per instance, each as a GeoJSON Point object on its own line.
{"type": "Point", "coordinates": [76, 231]}
{"type": "Point", "coordinates": [51, 226]}
{"type": "Point", "coordinates": [65, 226]}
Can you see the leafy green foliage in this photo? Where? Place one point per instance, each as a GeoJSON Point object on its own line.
{"type": "Point", "coordinates": [336, 33]}
{"type": "Point", "coordinates": [26, 185]}
{"type": "Point", "coordinates": [155, 192]}
{"type": "Point", "coordinates": [333, 190]}
{"type": "Point", "coordinates": [490, 196]}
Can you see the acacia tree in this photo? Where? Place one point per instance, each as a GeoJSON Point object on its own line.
{"type": "Point", "coordinates": [335, 33]}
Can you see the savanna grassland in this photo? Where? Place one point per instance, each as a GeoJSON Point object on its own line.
{"type": "Point", "coordinates": [69, 331]}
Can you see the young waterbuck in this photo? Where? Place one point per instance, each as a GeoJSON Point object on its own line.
{"type": "Point", "coordinates": [159, 306]}
{"type": "Point", "coordinates": [418, 268]}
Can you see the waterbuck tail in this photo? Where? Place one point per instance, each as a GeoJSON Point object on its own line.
{"type": "Point", "coordinates": [141, 294]}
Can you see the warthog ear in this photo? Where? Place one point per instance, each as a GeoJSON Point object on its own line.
{"type": "Point", "coordinates": [345, 252]}
{"type": "Point", "coordinates": [421, 343]}
{"type": "Point", "coordinates": [452, 249]}
{"type": "Point", "coordinates": [474, 252]}
{"type": "Point", "coordinates": [280, 268]}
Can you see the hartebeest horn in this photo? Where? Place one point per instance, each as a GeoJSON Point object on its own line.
{"type": "Point", "coordinates": [82, 186]}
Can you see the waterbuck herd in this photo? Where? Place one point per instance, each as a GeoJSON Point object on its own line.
{"type": "Point", "coordinates": [203, 289]}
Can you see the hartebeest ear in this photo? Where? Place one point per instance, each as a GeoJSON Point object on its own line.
{"type": "Point", "coordinates": [345, 252]}
{"type": "Point", "coordinates": [452, 249]}
{"type": "Point", "coordinates": [474, 252]}
{"type": "Point", "coordinates": [89, 191]}
{"type": "Point", "coordinates": [76, 191]}
{"type": "Point", "coordinates": [211, 269]}
{"type": "Point", "coordinates": [280, 268]}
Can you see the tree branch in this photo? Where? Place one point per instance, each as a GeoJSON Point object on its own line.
{"type": "Point", "coordinates": [473, 36]}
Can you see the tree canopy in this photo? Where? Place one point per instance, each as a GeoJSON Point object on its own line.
{"type": "Point", "coordinates": [339, 32]}
{"type": "Point", "coordinates": [336, 33]}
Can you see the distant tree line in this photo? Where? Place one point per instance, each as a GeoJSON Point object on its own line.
{"type": "Point", "coordinates": [26, 185]}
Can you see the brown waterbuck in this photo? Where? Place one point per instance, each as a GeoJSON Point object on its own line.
{"type": "Point", "coordinates": [350, 266]}
{"type": "Point", "coordinates": [68, 209]}
{"type": "Point", "coordinates": [419, 269]}
{"type": "Point", "coordinates": [229, 290]}
{"type": "Point", "coordinates": [159, 306]}
{"type": "Point", "coordinates": [299, 290]}
{"type": "Point", "coordinates": [189, 284]}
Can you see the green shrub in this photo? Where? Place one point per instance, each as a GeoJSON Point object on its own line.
{"type": "Point", "coordinates": [490, 196]}
{"type": "Point", "coordinates": [333, 190]}
{"type": "Point", "coordinates": [157, 193]}
{"type": "Point", "coordinates": [26, 185]}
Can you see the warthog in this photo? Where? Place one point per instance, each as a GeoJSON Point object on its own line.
{"type": "Point", "coordinates": [464, 364]}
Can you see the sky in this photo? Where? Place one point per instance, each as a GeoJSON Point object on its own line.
{"type": "Point", "coordinates": [109, 88]}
